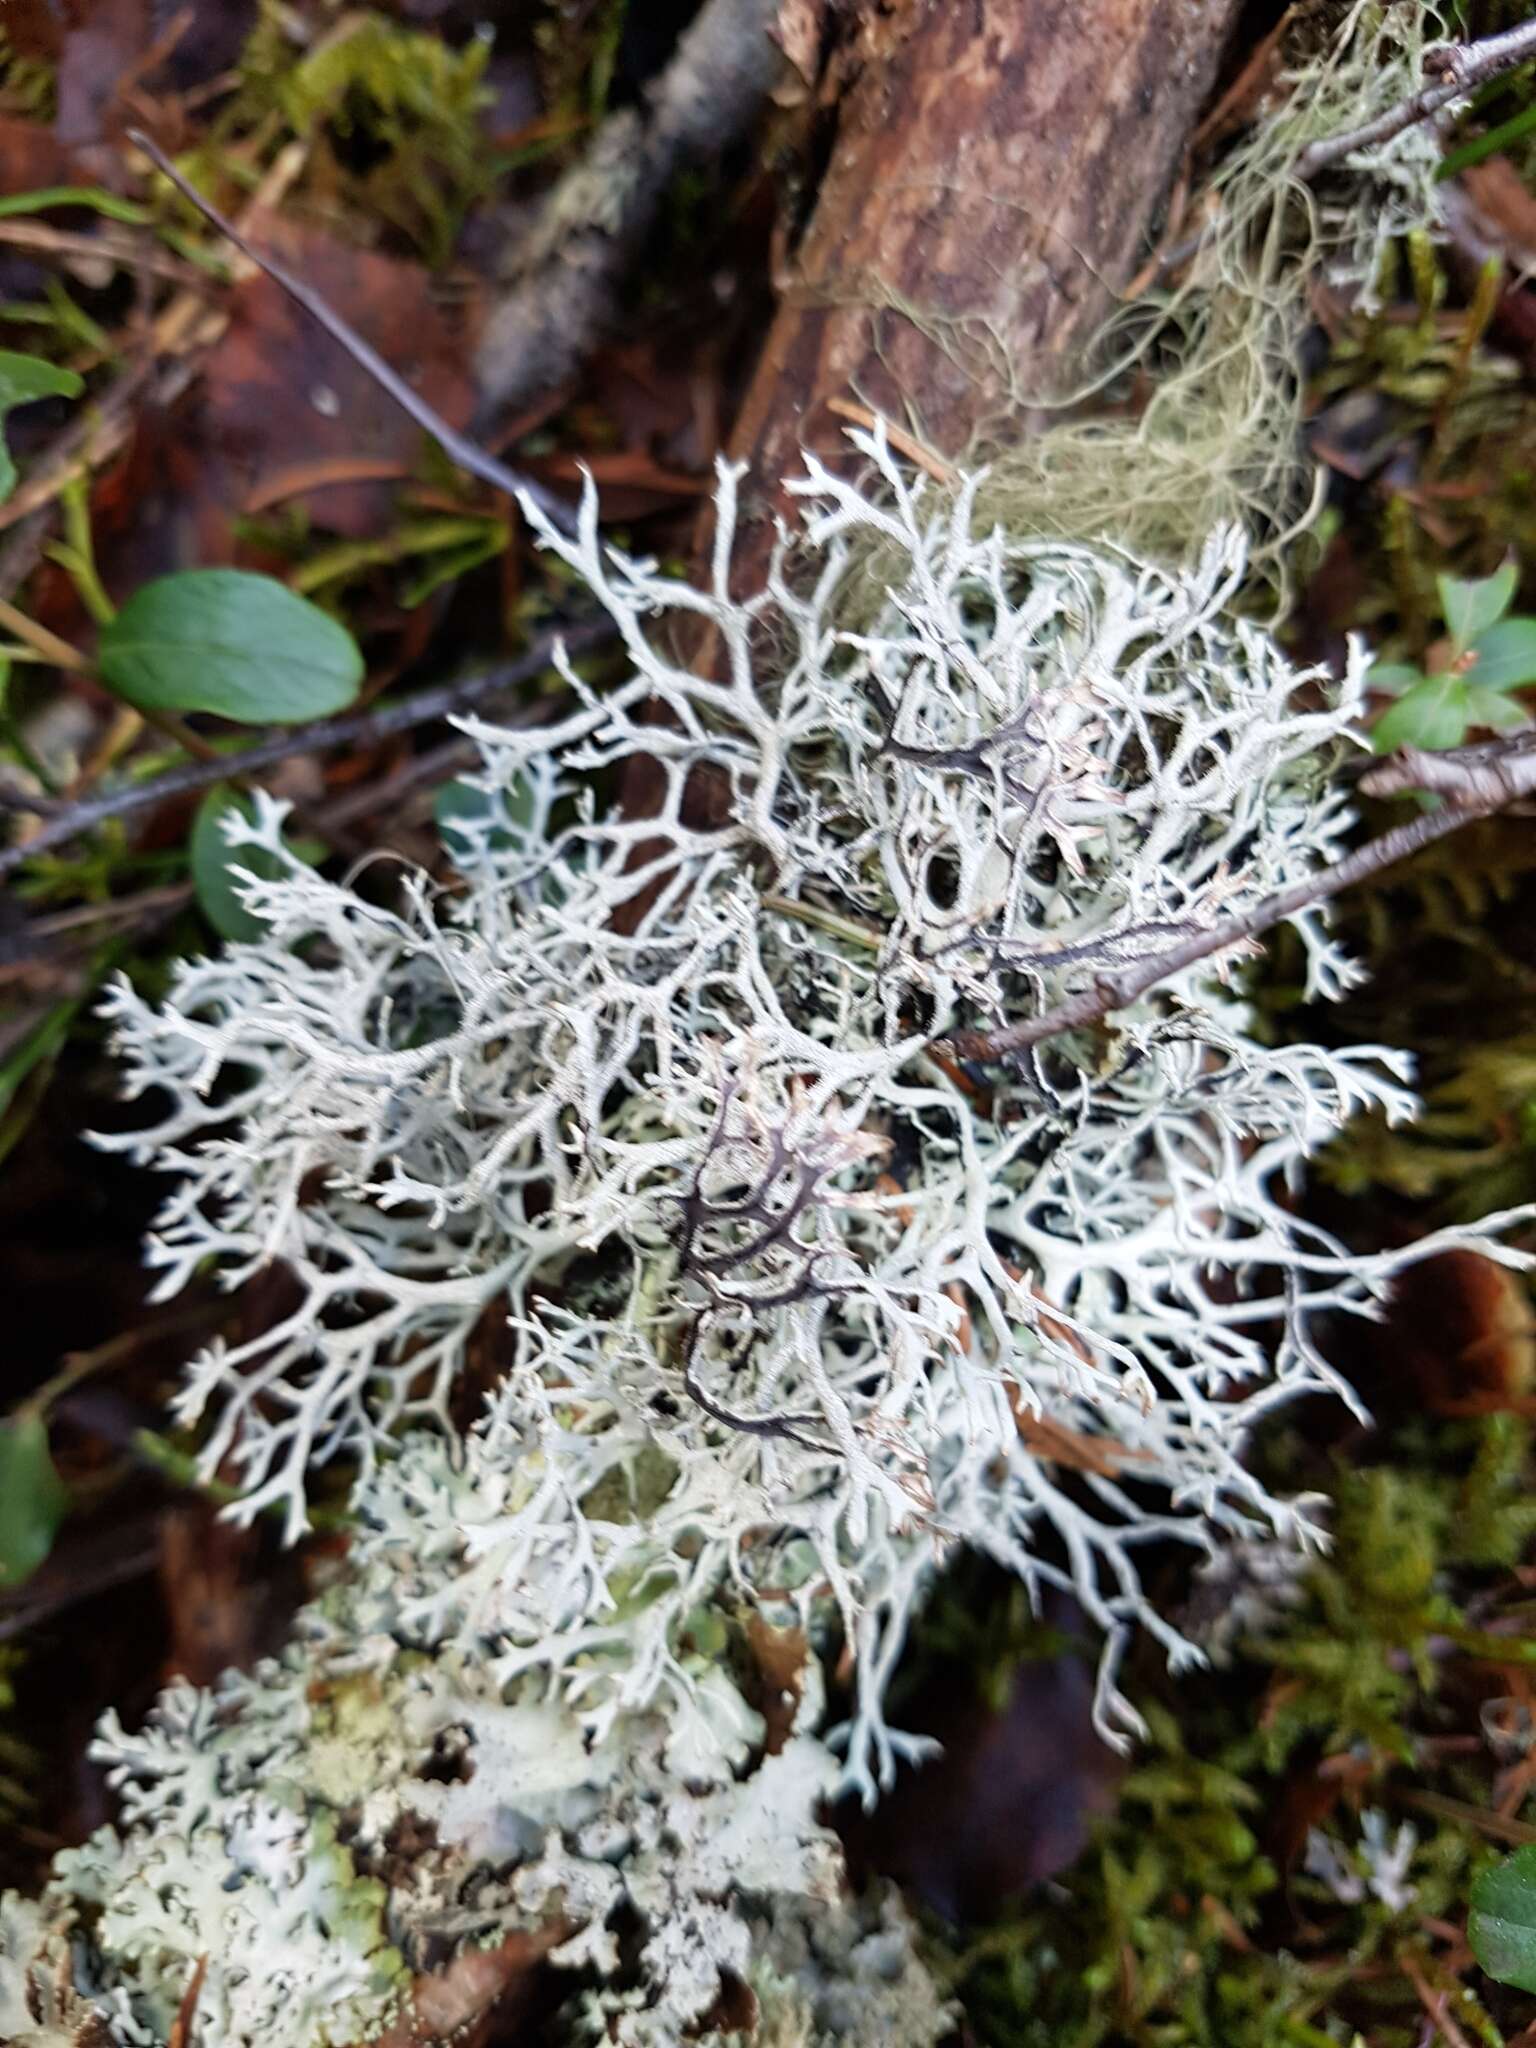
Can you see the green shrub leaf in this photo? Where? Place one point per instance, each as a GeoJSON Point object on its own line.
{"type": "Point", "coordinates": [33, 1498]}
{"type": "Point", "coordinates": [23, 378]}
{"type": "Point", "coordinates": [1493, 708]}
{"type": "Point", "coordinates": [1502, 1924]}
{"type": "Point", "coordinates": [1469, 609]}
{"type": "Point", "coordinates": [1506, 655]}
{"type": "Point", "coordinates": [226, 641]}
{"type": "Point", "coordinates": [1434, 713]}
{"type": "Point", "coordinates": [1393, 677]}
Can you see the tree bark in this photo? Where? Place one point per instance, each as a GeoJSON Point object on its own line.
{"type": "Point", "coordinates": [997, 169]}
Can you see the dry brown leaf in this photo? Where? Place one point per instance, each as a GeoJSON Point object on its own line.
{"type": "Point", "coordinates": [799, 32]}
{"type": "Point", "coordinates": [1459, 1331]}
{"type": "Point", "coordinates": [279, 393]}
{"type": "Point", "coordinates": [1505, 207]}
{"type": "Point", "coordinates": [780, 1655]}
{"type": "Point", "coordinates": [1059, 1445]}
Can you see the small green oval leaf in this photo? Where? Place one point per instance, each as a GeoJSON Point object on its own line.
{"type": "Point", "coordinates": [1492, 708]}
{"type": "Point", "coordinates": [1471, 608]}
{"type": "Point", "coordinates": [1501, 1926]}
{"type": "Point", "coordinates": [23, 378]}
{"type": "Point", "coordinates": [1506, 655]}
{"type": "Point", "coordinates": [33, 1498]}
{"type": "Point", "coordinates": [1392, 677]}
{"type": "Point", "coordinates": [1434, 713]}
{"type": "Point", "coordinates": [214, 863]}
{"type": "Point", "coordinates": [226, 641]}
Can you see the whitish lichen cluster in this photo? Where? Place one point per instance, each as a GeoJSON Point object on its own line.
{"type": "Point", "coordinates": [329, 1827]}
{"type": "Point", "coordinates": [789, 1303]}
{"type": "Point", "coordinates": [658, 1095]}
{"type": "Point", "coordinates": [792, 1303]}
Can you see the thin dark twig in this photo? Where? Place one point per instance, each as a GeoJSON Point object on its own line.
{"type": "Point", "coordinates": [376, 723]}
{"type": "Point", "coordinates": [466, 453]}
{"type": "Point", "coordinates": [1474, 783]}
{"type": "Point", "coordinates": [1460, 68]}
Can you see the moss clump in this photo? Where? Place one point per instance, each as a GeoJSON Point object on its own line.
{"type": "Point", "coordinates": [1290, 1858]}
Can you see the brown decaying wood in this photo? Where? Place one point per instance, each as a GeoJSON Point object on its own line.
{"type": "Point", "coordinates": [997, 170]}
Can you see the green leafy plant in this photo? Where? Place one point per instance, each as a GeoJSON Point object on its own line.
{"type": "Point", "coordinates": [217, 865]}
{"type": "Point", "coordinates": [1501, 1928]}
{"type": "Point", "coordinates": [226, 641]}
{"type": "Point", "coordinates": [1486, 656]}
{"type": "Point", "coordinates": [33, 1498]}
{"type": "Point", "coordinates": [22, 379]}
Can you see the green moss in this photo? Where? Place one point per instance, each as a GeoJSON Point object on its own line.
{"type": "Point", "coordinates": [28, 85]}
{"type": "Point", "coordinates": [1192, 1922]}
{"type": "Point", "coordinates": [393, 115]}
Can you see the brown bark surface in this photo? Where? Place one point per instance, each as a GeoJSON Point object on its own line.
{"type": "Point", "coordinates": [997, 169]}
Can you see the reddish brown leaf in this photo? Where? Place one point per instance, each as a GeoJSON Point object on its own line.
{"type": "Point", "coordinates": [33, 28]}
{"type": "Point", "coordinates": [280, 395]}
{"type": "Point", "coordinates": [780, 1655]}
{"type": "Point", "coordinates": [1459, 1331]}
{"type": "Point", "coordinates": [1009, 1801]}
{"type": "Point", "coordinates": [31, 156]}
{"type": "Point", "coordinates": [1505, 207]}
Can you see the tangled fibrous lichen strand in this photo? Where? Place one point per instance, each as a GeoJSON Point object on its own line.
{"type": "Point", "coordinates": [657, 1094]}
{"type": "Point", "coordinates": [1216, 431]}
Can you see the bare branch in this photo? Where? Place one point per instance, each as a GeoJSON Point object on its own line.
{"type": "Point", "coordinates": [1459, 68]}
{"type": "Point", "coordinates": [596, 220]}
{"type": "Point", "coordinates": [1474, 783]}
{"type": "Point", "coordinates": [466, 453]}
{"type": "Point", "coordinates": [377, 722]}
{"type": "Point", "coordinates": [1481, 779]}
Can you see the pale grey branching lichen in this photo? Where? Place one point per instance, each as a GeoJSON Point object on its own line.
{"type": "Point", "coordinates": [792, 1303]}
{"type": "Point", "coordinates": [651, 1109]}
{"type": "Point", "coordinates": [1376, 1867]}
